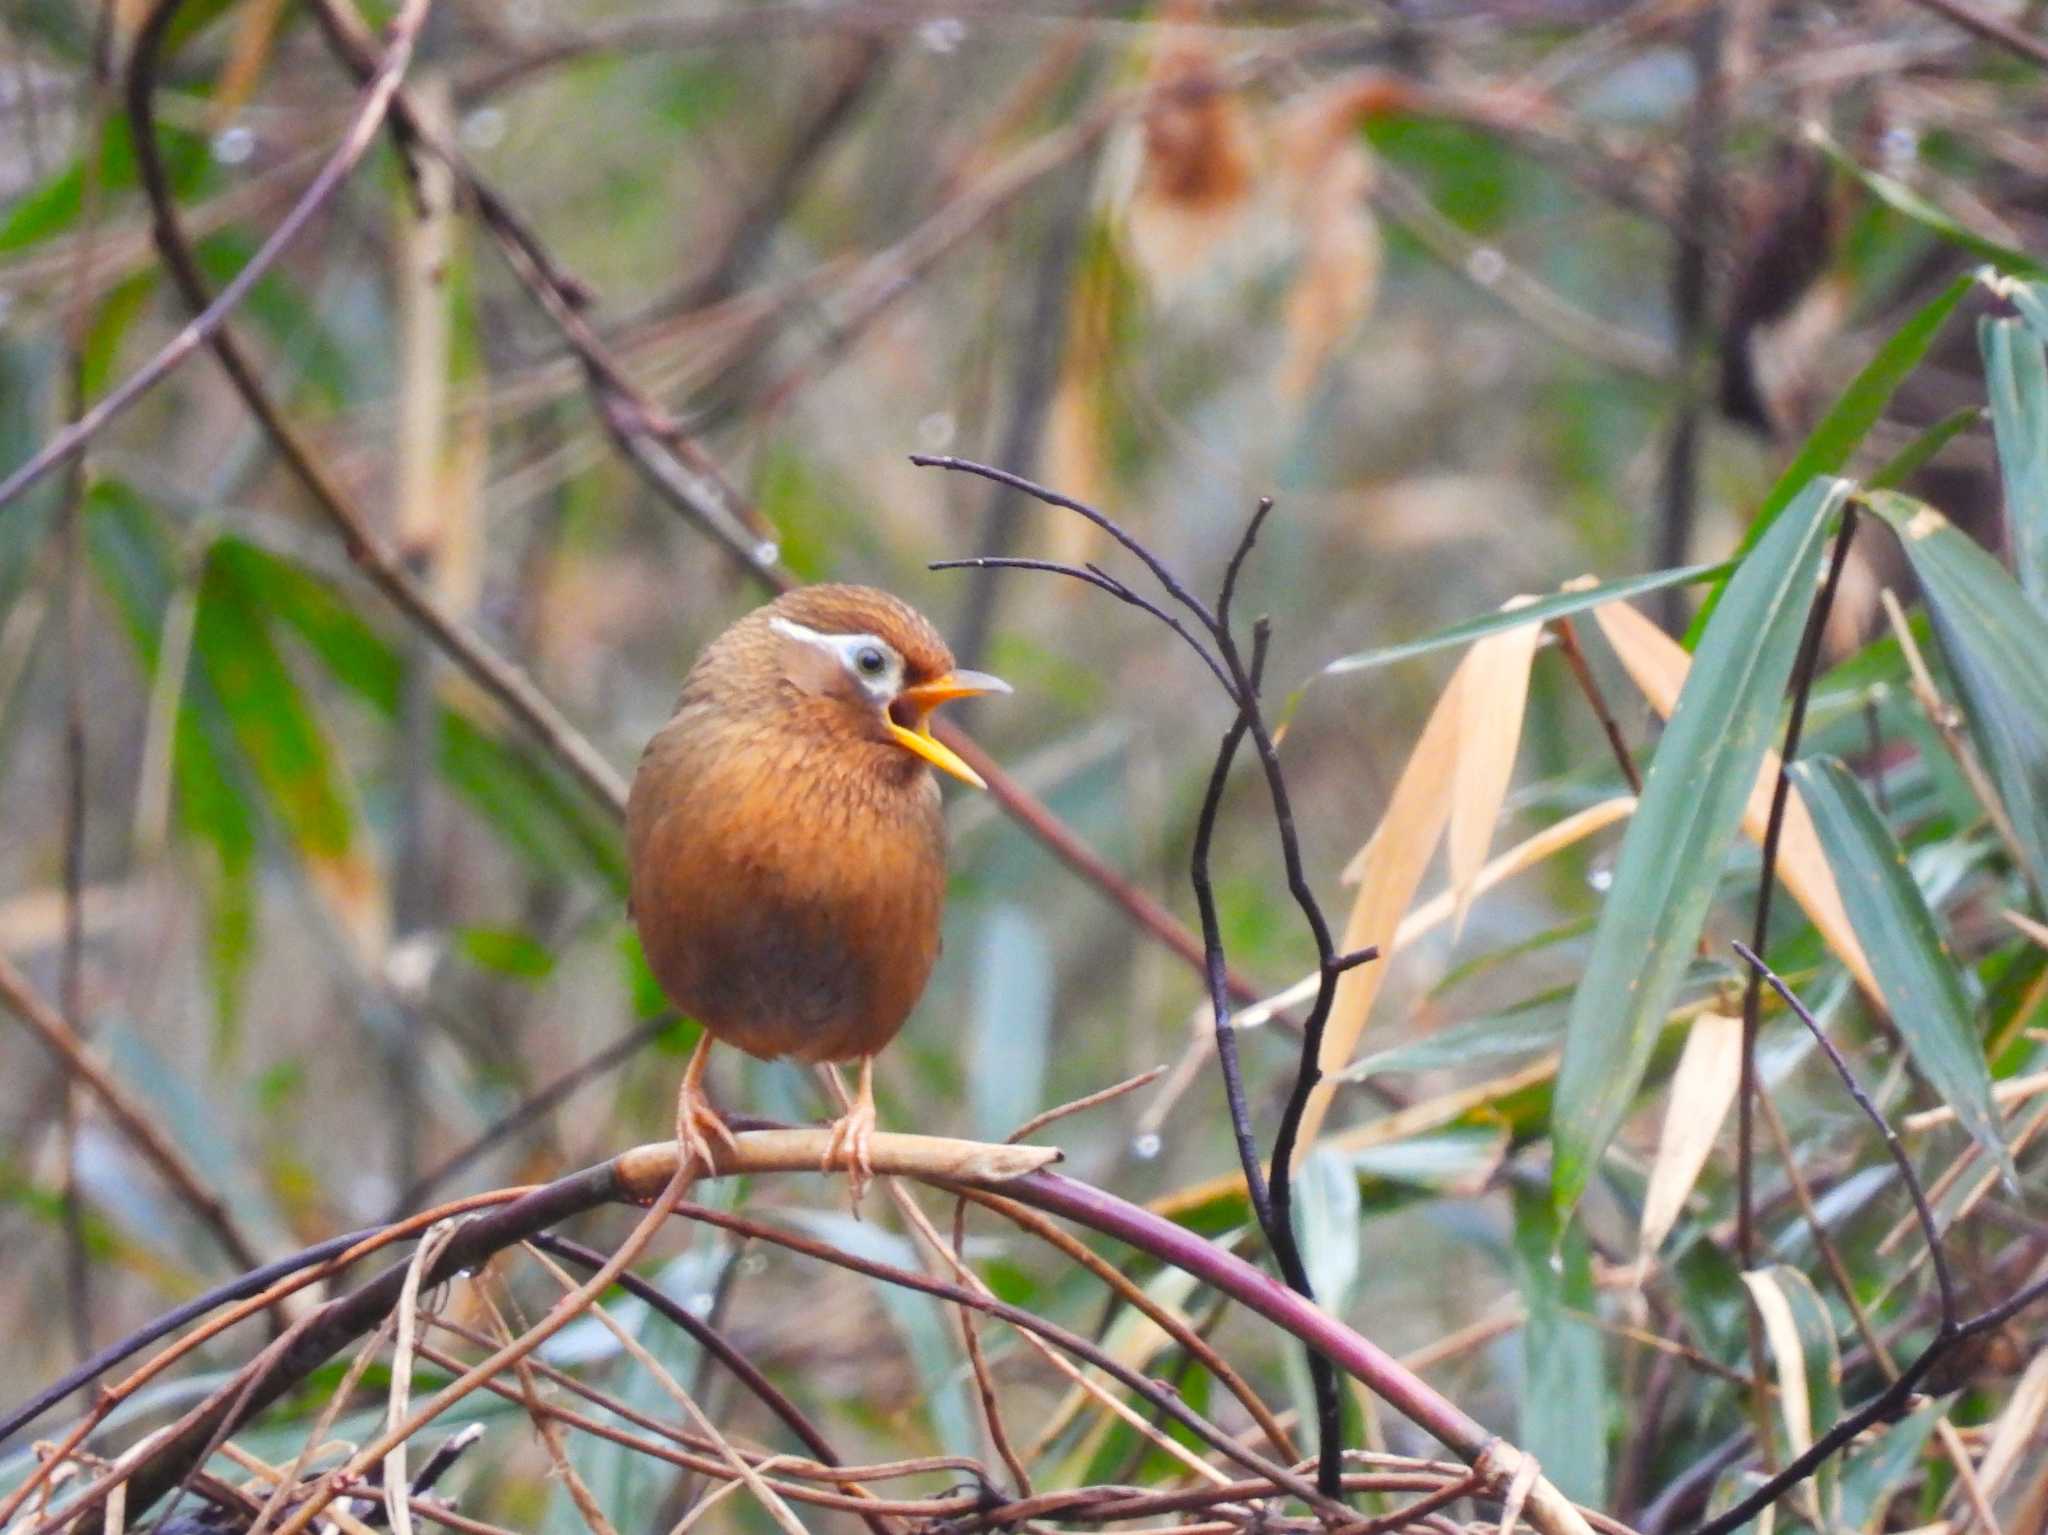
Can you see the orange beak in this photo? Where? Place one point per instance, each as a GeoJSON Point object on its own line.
{"type": "Point", "coordinates": [921, 700]}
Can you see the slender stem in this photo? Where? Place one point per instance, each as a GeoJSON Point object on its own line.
{"type": "Point", "coordinates": [1929, 1228]}
{"type": "Point", "coordinates": [1804, 669]}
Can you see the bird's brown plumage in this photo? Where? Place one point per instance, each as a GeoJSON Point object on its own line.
{"type": "Point", "coordinates": [787, 854]}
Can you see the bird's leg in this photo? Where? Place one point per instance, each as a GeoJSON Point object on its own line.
{"type": "Point", "coordinates": [852, 1145]}
{"type": "Point", "coordinates": [694, 1113]}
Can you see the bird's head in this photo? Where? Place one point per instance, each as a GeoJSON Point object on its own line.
{"type": "Point", "coordinates": [868, 664]}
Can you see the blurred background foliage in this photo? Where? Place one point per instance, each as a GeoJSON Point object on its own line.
{"type": "Point", "coordinates": [1487, 296]}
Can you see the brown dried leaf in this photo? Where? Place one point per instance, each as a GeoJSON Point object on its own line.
{"type": "Point", "coordinates": [1702, 1091]}
{"type": "Point", "coordinates": [1327, 175]}
{"type": "Point", "coordinates": [2018, 1429]}
{"type": "Point", "coordinates": [1389, 868]}
{"type": "Point", "coordinates": [1198, 159]}
{"type": "Point", "coordinates": [1658, 664]}
{"type": "Point", "coordinates": [1490, 706]}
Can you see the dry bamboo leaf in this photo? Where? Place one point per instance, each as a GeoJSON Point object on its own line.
{"type": "Point", "coordinates": [1387, 1130]}
{"type": "Point", "coordinates": [2029, 927]}
{"type": "Point", "coordinates": [1702, 1092]}
{"type": "Point", "coordinates": [1327, 176]}
{"type": "Point", "coordinates": [1389, 868]}
{"type": "Point", "coordinates": [1491, 700]}
{"type": "Point", "coordinates": [248, 54]}
{"type": "Point", "coordinates": [1436, 910]}
{"type": "Point", "coordinates": [352, 888]}
{"type": "Point", "coordinates": [1657, 664]}
{"type": "Point", "coordinates": [1198, 160]}
{"type": "Point", "coordinates": [2018, 1428]}
{"type": "Point", "coordinates": [1788, 1354]}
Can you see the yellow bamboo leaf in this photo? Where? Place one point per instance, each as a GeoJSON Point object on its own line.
{"type": "Point", "coordinates": [1436, 910]}
{"type": "Point", "coordinates": [1491, 700]}
{"type": "Point", "coordinates": [1702, 1092]}
{"type": "Point", "coordinates": [2017, 1432]}
{"type": "Point", "coordinates": [1388, 868]}
{"type": "Point", "coordinates": [1789, 1355]}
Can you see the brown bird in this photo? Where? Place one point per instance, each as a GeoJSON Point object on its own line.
{"type": "Point", "coordinates": [787, 846]}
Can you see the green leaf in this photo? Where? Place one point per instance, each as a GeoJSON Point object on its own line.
{"type": "Point", "coordinates": [1010, 1022]}
{"type": "Point", "coordinates": [1871, 1478]}
{"type": "Point", "coordinates": [1996, 644]}
{"type": "Point", "coordinates": [2030, 298]}
{"type": "Point", "coordinates": [135, 565]}
{"type": "Point", "coordinates": [1895, 194]}
{"type": "Point", "coordinates": [273, 721]}
{"type": "Point", "coordinates": [51, 208]}
{"type": "Point", "coordinates": [1848, 421]}
{"type": "Point", "coordinates": [1918, 453]}
{"type": "Point", "coordinates": [1671, 856]}
{"type": "Point", "coordinates": [1556, 606]}
{"type": "Point", "coordinates": [506, 951]}
{"type": "Point", "coordinates": [1522, 1031]}
{"type": "Point", "coordinates": [540, 817]}
{"type": "Point", "coordinates": [1564, 1400]}
{"type": "Point", "coordinates": [1919, 978]}
{"type": "Point", "coordinates": [2016, 378]}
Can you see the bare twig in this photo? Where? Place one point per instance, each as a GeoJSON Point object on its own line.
{"type": "Point", "coordinates": [1804, 670]}
{"type": "Point", "coordinates": [355, 141]}
{"type": "Point", "coordinates": [135, 1122]}
{"type": "Point", "coordinates": [1929, 1229]}
{"type": "Point", "coordinates": [1992, 27]}
{"type": "Point", "coordinates": [1271, 1200]}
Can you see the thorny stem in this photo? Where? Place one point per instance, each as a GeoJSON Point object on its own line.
{"type": "Point", "coordinates": [1745, 1171]}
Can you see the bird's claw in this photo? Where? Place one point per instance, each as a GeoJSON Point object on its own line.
{"type": "Point", "coordinates": [694, 1117]}
{"type": "Point", "coordinates": [851, 1148]}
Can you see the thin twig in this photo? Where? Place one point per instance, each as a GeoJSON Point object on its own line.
{"type": "Point", "coordinates": [355, 141]}
{"type": "Point", "coordinates": [1805, 667]}
{"type": "Point", "coordinates": [1929, 1229]}
{"type": "Point", "coordinates": [511, 687]}
{"type": "Point", "coordinates": [129, 1114]}
{"type": "Point", "coordinates": [1271, 1200]}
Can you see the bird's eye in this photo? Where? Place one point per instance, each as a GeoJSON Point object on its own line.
{"type": "Point", "coordinates": [870, 660]}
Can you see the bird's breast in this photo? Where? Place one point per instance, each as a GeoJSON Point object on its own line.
{"type": "Point", "coordinates": [787, 893]}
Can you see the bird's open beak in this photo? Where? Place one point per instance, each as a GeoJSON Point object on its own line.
{"type": "Point", "coordinates": [918, 703]}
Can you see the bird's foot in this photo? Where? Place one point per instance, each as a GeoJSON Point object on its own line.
{"type": "Point", "coordinates": [851, 1149]}
{"type": "Point", "coordinates": [697, 1123]}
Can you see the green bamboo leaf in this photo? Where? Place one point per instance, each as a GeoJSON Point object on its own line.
{"type": "Point", "coordinates": [1564, 1401]}
{"type": "Point", "coordinates": [1915, 455]}
{"type": "Point", "coordinates": [1922, 986]}
{"type": "Point", "coordinates": [272, 720]}
{"type": "Point", "coordinates": [2016, 378]}
{"type": "Point", "coordinates": [2029, 298]}
{"type": "Point", "coordinates": [1872, 1478]}
{"type": "Point", "coordinates": [53, 207]}
{"type": "Point", "coordinates": [540, 817]}
{"type": "Point", "coordinates": [1895, 194]}
{"type": "Point", "coordinates": [1559, 605]}
{"type": "Point", "coordinates": [1670, 859]}
{"type": "Point", "coordinates": [1996, 644]}
{"type": "Point", "coordinates": [1848, 421]}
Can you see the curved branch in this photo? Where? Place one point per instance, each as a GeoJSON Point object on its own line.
{"type": "Point", "coordinates": [1015, 1172]}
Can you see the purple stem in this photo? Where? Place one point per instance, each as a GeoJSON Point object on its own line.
{"type": "Point", "coordinates": [1392, 1381]}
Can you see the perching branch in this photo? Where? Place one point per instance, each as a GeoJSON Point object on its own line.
{"type": "Point", "coordinates": [502, 1220]}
